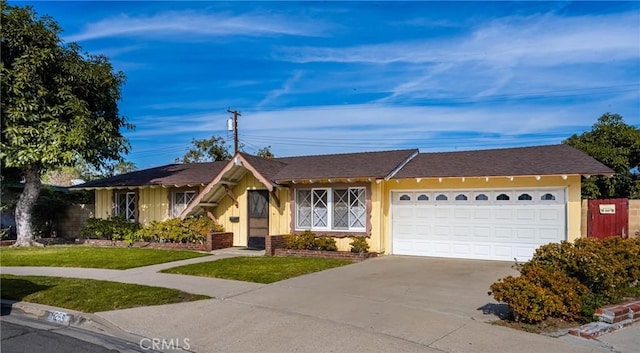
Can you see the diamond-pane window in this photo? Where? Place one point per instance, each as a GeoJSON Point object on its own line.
{"type": "Point", "coordinates": [303, 205]}
{"type": "Point", "coordinates": [341, 209]}
{"type": "Point", "coordinates": [357, 209]}
{"type": "Point", "coordinates": [180, 200]}
{"type": "Point", "coordinates": [126, 205]}
{"type": "Point", "coordinates": [320, 208]}
{"type": "Point", "coordinates": [326, 208]}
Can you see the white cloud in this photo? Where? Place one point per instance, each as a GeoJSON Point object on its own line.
{"type": "Point", "coordinates": [541, 40]}
{"type": "Point", "coordinates": [186, 24]}
{"type": "Point", "coordinates": [286, 88]}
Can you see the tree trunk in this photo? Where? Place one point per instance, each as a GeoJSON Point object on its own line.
{"type": "Point", "coordinates": [24, 207]}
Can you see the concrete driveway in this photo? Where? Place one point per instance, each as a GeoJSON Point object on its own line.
{"type": "Point", "coordinates": [390, 303]}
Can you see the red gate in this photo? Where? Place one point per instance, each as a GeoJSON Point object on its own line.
{"type": "Point", "coordinates": [608, 218]}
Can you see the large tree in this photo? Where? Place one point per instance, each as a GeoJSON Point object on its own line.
{"type": "Point", "coordinates": [59, 105]}
{"type": "Point", "coordinates": [616, 145]}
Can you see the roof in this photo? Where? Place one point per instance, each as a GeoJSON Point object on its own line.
{"type": "Point", "coordinates": [347, 165]}
{"type": "Point", "coordinates": [537, 160]}
{"type": "Point", "coordinates": [172, 174]}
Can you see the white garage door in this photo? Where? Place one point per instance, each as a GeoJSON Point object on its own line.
{"type": "Point", "coordinates": [477, 224]}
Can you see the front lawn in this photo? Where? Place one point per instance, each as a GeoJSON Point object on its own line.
{"type": "Point", "coordinates": [88, 295]}
{"type": "Point", "coordinates": [91, 257]}
{"type": "Point", "coordinates": [265, 269]}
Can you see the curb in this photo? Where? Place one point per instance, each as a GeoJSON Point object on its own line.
{"type": "Point", "coordinates": [66, 317]}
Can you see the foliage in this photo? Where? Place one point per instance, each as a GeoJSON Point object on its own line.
{"type": "Point", "coordinates": [617, 145]}
{"type": "Point", "coordinates": [326, 244]}
{"type": "Point", "coordinates": [88, 295]}
{"type": "Point", "coordinates": [176, 230]}
{"type": "Point", "coordinates": [571, 280]}
{"type": "Point", "coordinates": [263, 269]}
{"type": "Point", "coordinates": [116, 258]}
{"type": "Point", "coordinates": [307, 240]}
{"type": "Point", "coordinates": [540, 293]}
{"type": "Point", "coordinates": [59, 104]}
{"type": "Point", "coordinates": [265, 152]}
{"type": "Point", "coordinates": [359, 245]}
{"type": "Point", "coordinates": [112, 228]}
{"type": "Point", "coordinates": [206, 150]}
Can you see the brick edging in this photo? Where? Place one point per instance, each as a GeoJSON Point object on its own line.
{"type": "Point", "coordinates": [344, 255]}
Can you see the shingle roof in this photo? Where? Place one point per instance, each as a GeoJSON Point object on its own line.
{"type": "Point", "coordinates": [172, 174]}
{"type": "Point", "coordinates": [538, 160]}
{"type": "Point", "coordinates": [348, 165]}
{"type": "Point", "coordinates": [267, 167]}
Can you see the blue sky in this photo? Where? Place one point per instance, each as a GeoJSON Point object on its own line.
{"type": "Point", "coordinates": [330, 77]}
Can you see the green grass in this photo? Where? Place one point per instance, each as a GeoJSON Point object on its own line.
{"type": "Point", "coordinates": [264, 269]}
{"type": "Point", "coordinates": [88, 295]}
{"type": "Point", "coordinates": [91, 257]}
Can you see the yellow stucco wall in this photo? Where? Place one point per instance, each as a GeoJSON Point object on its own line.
{"type": "Point", "coordinates": [103, 203]}
{"type": "Point", "coordinates": [572, 185]}
{"type": "Point", "coordinates": [153, 205]}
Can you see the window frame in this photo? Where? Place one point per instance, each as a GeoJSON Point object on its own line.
{"type": "Point", "coordinates": [330, 208]}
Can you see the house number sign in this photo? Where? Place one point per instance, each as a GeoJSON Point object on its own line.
{"type": "Point", "coordinates": [607, 209]}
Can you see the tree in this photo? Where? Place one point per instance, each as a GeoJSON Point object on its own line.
{"type": "Point", "coordinates": [616, 145]}
{"type": "Point", "coordinates": [206, 150]}
{"type": "Point", "coordinates": [58, 105]}
{"type": "Point", "coordinates": [265, 152]}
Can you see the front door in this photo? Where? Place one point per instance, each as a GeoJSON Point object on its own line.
{"type": "Point", "coordinates": [258, 218]}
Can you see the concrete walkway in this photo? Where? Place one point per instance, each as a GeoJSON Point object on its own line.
{"type": "Point", "coordinates": [388, 304]}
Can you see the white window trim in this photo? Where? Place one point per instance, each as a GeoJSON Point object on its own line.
{"type": "Point", "coordinates": [330, 210]}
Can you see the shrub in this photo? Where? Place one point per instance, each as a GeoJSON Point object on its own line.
{"type": "Point", "coordinates": [112, 228]}
{"type": "Point", "coordinates": [326, 244]}
{"type": "Point", "coordinates": [359, 245]}
{"type": "Point", "coordinates": [540, 293]}
{"type": "Point", "coordinates": [176, 230]}
{"type": "Point", "coordinates": [307, 241]}
{"type": "Point", "coordinates": [570, 281]}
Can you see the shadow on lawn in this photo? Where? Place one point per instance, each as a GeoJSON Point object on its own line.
{"type": "Point", "coordinates": [15, 289]}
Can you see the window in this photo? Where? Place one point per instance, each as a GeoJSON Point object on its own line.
{"type": "Point", "coordinates": [525, 197]}
{"type": "Point", "coordinates": [423, 197]}
{"type": "Point", "coordinates": [335, 209]}
{"type": "Point", "coordinates": [461, 197]}
{"type": "Point", "coordinates": [442, 197]}
{"type": "Point", "coordinates": [405, 197]}
{"type": "Point", "coordinates": [502, 197]}
{"type": "Point", "coordinates": [180, 200]}
{"type": "Point", "coordinates": [126, 205]}
{"type": "Point", "coordinates": [482, 197]}
{"type": "Point", "coordinates": [547, 197]}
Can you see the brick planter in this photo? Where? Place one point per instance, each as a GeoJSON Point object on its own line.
{"type": "Point", "coordinates": [344, 255]}
{"type": "Point", "coordinates": [214, 241]}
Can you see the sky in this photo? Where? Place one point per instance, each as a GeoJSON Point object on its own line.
{"type": "Point", "coordinates": [337, 77]}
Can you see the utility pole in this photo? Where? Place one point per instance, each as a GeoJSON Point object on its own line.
{"type": "Point", "coordinates": [236, 114]}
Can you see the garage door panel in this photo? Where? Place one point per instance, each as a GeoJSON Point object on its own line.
{"type": "Point", "coordinates": [482, 229]}
{"type": "Point", "coordinates": [482, 214]}
{"type": "Point", "coordinates": [503, 233]}
{"type": "Point", "coordinates": [482, 232]}
{"type": "Point", "coordinates": [502, 213]}
{"type": "Point", "coordinates": [526, 215]}
{"type": "Point", "coordinates": [525, 234]}
{"type": "Point", "coordinates": [462, 213]}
